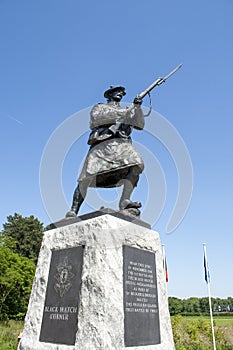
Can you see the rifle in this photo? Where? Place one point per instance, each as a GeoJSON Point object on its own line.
{"type": "Point", "coordinates": [157, 82]}
{"type": "Point", "coordinates": [114, 128]}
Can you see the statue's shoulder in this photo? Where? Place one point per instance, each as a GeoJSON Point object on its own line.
{"type": "Point", "coordinates": [99, 107]}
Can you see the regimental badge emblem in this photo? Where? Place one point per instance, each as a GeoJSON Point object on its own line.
{"type": "Point", "coordinates": [63, 277]}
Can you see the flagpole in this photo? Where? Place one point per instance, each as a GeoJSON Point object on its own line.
{"type": "Point", "coordinates": [208, 286]}
{"type": "Point", "coordinates": [163, 250]}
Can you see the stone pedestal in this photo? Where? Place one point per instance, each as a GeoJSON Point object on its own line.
{"type": "Point", "coordinates": [99, 284]}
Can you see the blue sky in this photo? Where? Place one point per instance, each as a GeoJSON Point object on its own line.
{"type": "Point", "coordinates": [58, 57]}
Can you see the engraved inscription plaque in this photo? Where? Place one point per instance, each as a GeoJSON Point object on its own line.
{"type": "Point", "coordinates": [141, 309]}
{"type": "Point", "coordinates": [60, 316]}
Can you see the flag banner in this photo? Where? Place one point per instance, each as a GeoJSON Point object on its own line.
{"type": "Point", "coordinates": [206, 270]}
{"type": "Point", "coordinates": [165, 268]}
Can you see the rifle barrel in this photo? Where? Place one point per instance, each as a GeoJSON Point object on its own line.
{"type": "Point", "coordinates": [158, 82]}
{"type": "Point", "coordinates": [172, 72]}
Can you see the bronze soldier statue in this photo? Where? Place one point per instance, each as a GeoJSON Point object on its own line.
{"type": "Point", "coordinates": [112, 159]}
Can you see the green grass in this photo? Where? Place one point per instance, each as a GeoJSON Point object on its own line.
{"type": "Point", "coordinates": [218, 320]}
{"type": "Point", "coordinates": [194, 332]}
{"type": "Point", "coordinates": [190, 333]}
{"type": "Point", "coordinates": [223, 321]}
{"type": "Point", "coordinates": [9, 331]}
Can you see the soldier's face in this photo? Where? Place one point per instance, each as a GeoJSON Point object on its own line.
{"type": "Point", "coordinates": [117, 95]}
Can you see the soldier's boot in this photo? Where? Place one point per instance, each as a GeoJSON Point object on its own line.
{"type": "Point", "coordinates": [78, 198]}
{"type": "Point", "coordinates": [130, 183]}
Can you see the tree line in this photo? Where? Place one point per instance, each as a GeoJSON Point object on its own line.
{"type": "Point", "coordinates": [199, 306]}
{"type": "Point", "coordinates": [20, 242]}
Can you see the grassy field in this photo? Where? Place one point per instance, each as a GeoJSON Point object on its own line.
{"type": "Point", "coordinates": [194, 332]}
{"type": "Point", "coordinates": [9, 332]}
{"type": "Point", "coordinates": [190, 333]}
{"type": "Point", "coordinates": [219, 321]}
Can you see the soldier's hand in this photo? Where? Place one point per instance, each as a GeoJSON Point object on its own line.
{"type": "Point", "coordinates": [137, 101]}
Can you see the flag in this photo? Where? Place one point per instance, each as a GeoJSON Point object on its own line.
{"type": "Point", "coordinates": [165, 268]}
{"type": "Point", "coordinates": [165, 263]}
{"type": "Point", "coordinates": [206, 270]}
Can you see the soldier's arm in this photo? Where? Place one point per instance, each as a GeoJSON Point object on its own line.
{"type": "Point", "coordinates": [136, 117]}
{"type": "Point", "coordinates": [138, 120]}
{"type": "Point", "coordinates": [104, 114]}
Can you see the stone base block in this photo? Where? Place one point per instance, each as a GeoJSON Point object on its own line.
{"type": "Point", "coordinates": [99, 284]}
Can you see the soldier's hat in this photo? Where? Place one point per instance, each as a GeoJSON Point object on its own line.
{"type": "Point", "coordinates": [114, 88]}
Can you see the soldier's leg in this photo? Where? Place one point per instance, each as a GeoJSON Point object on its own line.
{"type": "Point", "coordinates": [78, 198]}
{"type": "Point", "coordinates": [129, 183]}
